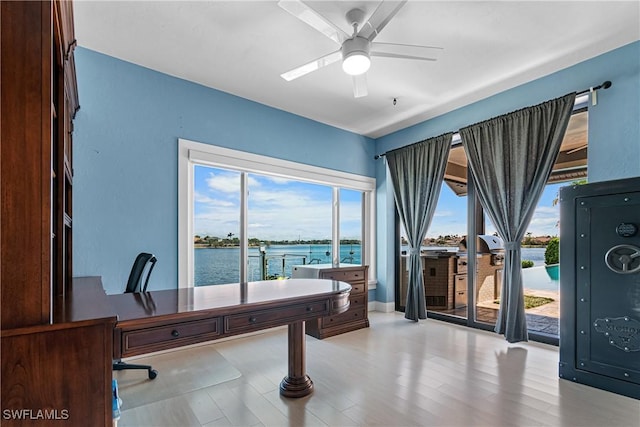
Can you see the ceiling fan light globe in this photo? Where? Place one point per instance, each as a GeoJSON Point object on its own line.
{"type": "Point", "coordinates": [355, 56]}
{"type": "Point", "coordinates": [355, 64]}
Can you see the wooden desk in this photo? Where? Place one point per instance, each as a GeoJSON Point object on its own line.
{"type": "Point", "coordinates": [160, 320]}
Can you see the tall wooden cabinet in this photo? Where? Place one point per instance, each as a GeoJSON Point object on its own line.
{"type": "Point", "coordinates": [65, 105]}
{"type": "Point", "coordinates": [39, 101]}
{"type": "Point", "coordinates": [48, 362]}
{"type": "Point", "coordinates": [25, 169]}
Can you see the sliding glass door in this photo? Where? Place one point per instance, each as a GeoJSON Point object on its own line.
{"type": "Point", "coordinates": [463, 277]}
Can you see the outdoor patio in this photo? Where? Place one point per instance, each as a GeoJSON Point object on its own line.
{"type": "Point", "coordinates": [544, 318]}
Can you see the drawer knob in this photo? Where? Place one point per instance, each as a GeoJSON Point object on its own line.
{"type": "Point", "coordinates": [252, 319]}
{"type": "Point", "coordinates": [309, 308]}
{"type": "Point", "coordinates": [175, 333]}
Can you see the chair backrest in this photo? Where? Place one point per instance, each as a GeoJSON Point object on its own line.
{"type": "Point", "coordinates": [137, 271]}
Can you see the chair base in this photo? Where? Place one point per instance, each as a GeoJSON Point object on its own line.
{"type": "Point", "coordinates": [121, 366]}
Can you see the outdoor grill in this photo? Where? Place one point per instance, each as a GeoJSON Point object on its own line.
{"type": "Point", "coordinates": [485, 244]}
{"type": "Point", "coordinates": [445, 274]}
{"type": "Point", "coordinates": [489, 261]}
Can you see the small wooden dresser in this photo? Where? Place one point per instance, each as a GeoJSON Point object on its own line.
{"type": "Point", "coordinates": [354, 318]}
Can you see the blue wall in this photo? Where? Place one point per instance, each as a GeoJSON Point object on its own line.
{"type": "Point", "coordinates": [614, 132]}
{"type": "Point", "coordinates": [125, 151]}
{"type": "Point", "coordinates": [126, 158]}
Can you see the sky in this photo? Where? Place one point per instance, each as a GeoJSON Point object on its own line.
{"type": "Point", "coordinates": [451, 214]}
{"type": "Point", "coordinates": [279, 209]}
{"type": "Point", "coordinates": [282, 209]}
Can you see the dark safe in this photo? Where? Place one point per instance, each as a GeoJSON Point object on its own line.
{"type": "Point", "coordinates": [600, 285]}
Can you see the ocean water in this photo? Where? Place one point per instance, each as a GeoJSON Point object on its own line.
{"type": "Point", "coordinates": [214, 266]}
{"type": "Point", "coordinates": [534, 254]}
{"type": "Point", "coordinates": [221, 265]}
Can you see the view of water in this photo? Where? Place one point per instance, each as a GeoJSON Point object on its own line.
{"type": "Point", "coordinates": [221, 265]}
{"type": "Point", "coordinates": [534, 254]}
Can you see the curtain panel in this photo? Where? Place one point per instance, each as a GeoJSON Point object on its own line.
{"type": "Point", "coordinates": [416, 174]}
{"type": "Point", "coordinates": [510, 159]}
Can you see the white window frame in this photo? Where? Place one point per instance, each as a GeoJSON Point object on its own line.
{"type": "Point", "coordinates": [191, 153]}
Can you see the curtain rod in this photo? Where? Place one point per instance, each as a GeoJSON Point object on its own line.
{"type": "Point", "coordinates": [605, 85]}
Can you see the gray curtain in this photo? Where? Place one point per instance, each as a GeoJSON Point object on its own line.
{"type": "Point", "coordinates": [511, 158]}
{"type": "Point", "coordinates": [416, 174]}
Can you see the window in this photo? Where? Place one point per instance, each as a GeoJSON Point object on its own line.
{"type": "Point", "coordinates": [289, 223]}
{"type": "Point", "coordinates": [216, 209]}
{"type": "Point", "coordinates": [245, 217]}
{"type": "Point", "coordinates": [351, 202]}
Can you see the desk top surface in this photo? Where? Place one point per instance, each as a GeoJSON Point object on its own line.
{"type": "Point", "coordinates": [219, 297]}
{"type": "Point", "coordinates": [89, 298]}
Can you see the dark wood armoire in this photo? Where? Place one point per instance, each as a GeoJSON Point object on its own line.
{"type": "Point", "coordinates": [52, 369]}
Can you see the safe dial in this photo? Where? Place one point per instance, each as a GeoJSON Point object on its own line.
{"type": "Point", "coordinates": [623, 259]}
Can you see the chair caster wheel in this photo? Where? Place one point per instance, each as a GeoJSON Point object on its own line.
{"type": "Point", "coordinates": [152, 374]}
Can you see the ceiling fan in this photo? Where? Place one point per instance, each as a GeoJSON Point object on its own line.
{"type": "Point", "coordinates": [356, 49]}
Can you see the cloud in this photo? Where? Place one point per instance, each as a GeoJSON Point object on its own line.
{"type": "Point", "coordinates": [226, 182]}
{"type": "Point", "coordinates": [544, 221]}
{"type": "Point", "coordinates": [279, 209]}
{"type": "Point", "coordinates": [277, 180]}
{"type": "Point", "coordinates": [202, 199]}
{"type": "Point", "coordinates": [273, 215]}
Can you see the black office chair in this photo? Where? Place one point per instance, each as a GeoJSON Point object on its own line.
{"type": "Point", "coordinates": [137, 270]}
{"type": "Point", "coordinates": [144, 262]}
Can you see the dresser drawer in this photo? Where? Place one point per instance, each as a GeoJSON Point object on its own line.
{"type": "Point", "coordinates": [353, 314]}
{"type": "Point", "coordinates": [169, 336]}
{"type": "Point", "coordinates": [356, 301]}
{"type": "Point", "coordinates": [255, 320]}
{"type": "Point", "coordinates": [345, 276]}
{"type": "Point", "coordinates": [358, 288]}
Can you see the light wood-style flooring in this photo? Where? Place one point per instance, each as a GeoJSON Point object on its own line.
{"type": "Point", "coordinates": [395, 373]}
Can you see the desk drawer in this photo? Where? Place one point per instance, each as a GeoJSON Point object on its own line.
{"type": "Point", "coordinates": [344, 276]}
{"type": "Point", "coordinates": [169, 336]}
{"type": "Point", "coordinates": [266, 318]}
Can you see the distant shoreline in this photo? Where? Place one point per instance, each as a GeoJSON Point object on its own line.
{"type": "Point", "coordinates": [206, 246]}
{"type": "Point", "coordinates": [226, 246]}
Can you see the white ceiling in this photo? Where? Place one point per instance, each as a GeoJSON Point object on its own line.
{"type": "Point", "coordinates": [242, 47]}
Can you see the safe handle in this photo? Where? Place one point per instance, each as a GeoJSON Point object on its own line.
{"type": "Point", "coordinates": [621, 259]}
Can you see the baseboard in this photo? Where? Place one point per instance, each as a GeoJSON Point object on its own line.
{"type": "Point", "coordinates": [383, 307]}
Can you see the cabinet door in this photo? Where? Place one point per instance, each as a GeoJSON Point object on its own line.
{"type": "Point", "coordinates": [66, 371]}
{"type": "Point", "coordinates": [25, 169]}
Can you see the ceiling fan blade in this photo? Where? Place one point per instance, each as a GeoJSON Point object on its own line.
{"type": "Point", "coordinates": [314, 65]}
{"type": "Point", "coordinates": [360, 85]}
{"type": "Point", "coordinates": [314, 19]}
{"type": "Point", "coordinates": [407, 51]}
{"type": "Point", "coordinates": [380, 18]}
